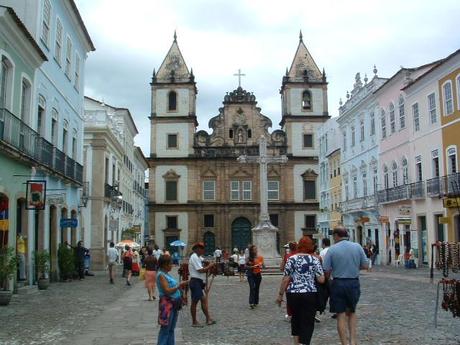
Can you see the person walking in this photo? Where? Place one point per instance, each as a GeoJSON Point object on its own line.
{"type": "Point", "coordinates": [198, 285]}
{"type": "Point", "coordinates": [170, 301]}
{"type": "Point", "coordinates": [157, 252]}
{"type": "Point", "coordinates": [254, 265]}
{"type": "Point", "coordinates": [112, 257]}
{"type": "Point", "coordinates": [150, 275]}
{"type": "Point", "coordinates": [343, 261]}
{"type": "Point", "coordinates": [80, 252]}
{"type": "Point", "coordinates": [301, 272]}
{"type": "Point", "coordinates": [128, 264]}
{"type": "Point", "coordinates": [241, 265]}
{"type": "Point", "coordinates": [326, 243]}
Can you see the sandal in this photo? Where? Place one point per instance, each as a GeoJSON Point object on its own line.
{"type": "Point", "coordinates": [198, 325]}
{"type": "Point", "coordinates": [213, 322]}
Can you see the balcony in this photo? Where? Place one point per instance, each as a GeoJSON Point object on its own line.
{"type": "Point", "coordinates": [111, 191]}
{"type": "Point", "coordinates": [417, 190]}
{"type": "Point", "coordinates": [22, 139]}
{"type": "Point", "coordinates": [433, 187]}
{"type": "Point", "coordinates": [394, 194]}
{"type": "Point", "coordinates": [352, 205]}
{"type": "Point", "coordinates": [450, 185]}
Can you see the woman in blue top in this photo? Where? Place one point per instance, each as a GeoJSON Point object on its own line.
{"type": "Point", "coordinates": [301, 273]}
{"type": "Point", "coordinates": [170, 301]}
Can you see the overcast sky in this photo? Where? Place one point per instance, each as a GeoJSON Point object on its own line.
{"type": "Point", "coordinates": [217, 37]}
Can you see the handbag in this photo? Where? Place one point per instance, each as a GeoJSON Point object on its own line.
{"type": "Point", "coordinates": [142, 274]}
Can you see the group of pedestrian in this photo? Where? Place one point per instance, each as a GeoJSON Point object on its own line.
{"type": "Point", "coordinates": [336, 270]}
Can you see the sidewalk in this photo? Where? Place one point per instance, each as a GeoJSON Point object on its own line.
{"type": "Point", "coordinates": [130, 320]}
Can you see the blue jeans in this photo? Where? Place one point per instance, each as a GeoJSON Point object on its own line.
{"type": "Point", "coordinates": [166, 334]}
{"type": "Point", "coordinates": [254, 285]}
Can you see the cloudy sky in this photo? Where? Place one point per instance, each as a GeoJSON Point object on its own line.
{"type": "Point", "coordinates": [217, 37]}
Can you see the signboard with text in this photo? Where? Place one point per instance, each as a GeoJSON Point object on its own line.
{"type": "Point", "coordinates": [68, 222]}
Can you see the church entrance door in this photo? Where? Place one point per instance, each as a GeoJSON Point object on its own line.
{"type": "Point", "coordinates": [209, 243]}
{"type": "Point", "coordinates": [241, 233]}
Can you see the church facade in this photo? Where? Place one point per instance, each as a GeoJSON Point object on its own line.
{"type": "Point", "coordinates": [197, 189]}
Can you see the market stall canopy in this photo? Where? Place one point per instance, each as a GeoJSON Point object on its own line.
{"type": "Point", "coordinates": [178, 243]}
{"type": "Point", "coordinates": [130, 243]}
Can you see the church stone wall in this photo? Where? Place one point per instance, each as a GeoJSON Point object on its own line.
{"type": "Point", "coordinates": [183, 139]}
{"type": "Point", "coordinates": [182, 102]}
{"type": "Point", "coordinates": [298, 180]}
{"type": "Point", "coordinates": [160, 226]}
{"type": "Point", "coordinates": [160, 192]}
{"type": "Point", "coordinates": [296, 139]}
{"type": "Point", "coordinates": [296, 101]}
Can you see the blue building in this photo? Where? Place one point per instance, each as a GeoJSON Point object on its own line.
{"type": "Point", "coordinates": [57, 117]}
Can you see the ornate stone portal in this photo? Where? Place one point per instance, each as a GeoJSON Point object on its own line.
{"type": "Point", "coordinates": [264, 233]}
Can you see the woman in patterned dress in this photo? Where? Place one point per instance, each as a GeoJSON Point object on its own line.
{"type": "Point", "coordinates": [301, 273]}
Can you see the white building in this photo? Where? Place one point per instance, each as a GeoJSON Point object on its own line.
{"type": "Point", "coordinates": [404, 121]}
{"type": "Point", "coordinates": [114, 171]}
{"type": "Point", "coordinates": [359, 161]}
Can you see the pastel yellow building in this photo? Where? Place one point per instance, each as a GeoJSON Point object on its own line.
{"type": "Point", "coordinates": [449, 100]}
{"type": "Point", "coordinates": [335, 188]}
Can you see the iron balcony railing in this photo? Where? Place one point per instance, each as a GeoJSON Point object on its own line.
{"type": "Point", "coordinates": [450, 185]}
{"type": "Point", "coordinates": [433, 187]}
{"type": "Point", "coordinates": [417, 190]}
{"type": "Point", "coordinates": [393, 194]}
{"type": "Point", "coordinates": [18, 135]}
{"type": "Point", "coordinates": [111, 191]}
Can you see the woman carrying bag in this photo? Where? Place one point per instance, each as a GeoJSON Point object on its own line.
{"type": "Point", "coordinates": [301, 273]}
{"type": "Point", "coordinates": [170, 301]}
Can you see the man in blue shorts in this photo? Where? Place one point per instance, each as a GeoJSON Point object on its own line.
{"type": "Point", "coordinates": [343, 261]}
{"type": "Point", "coordinates": [197, 284]}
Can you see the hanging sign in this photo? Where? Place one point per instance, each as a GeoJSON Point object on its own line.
{"type": "Point", "coordinates": [451, 202]}
{"type": "Point", "coordinates": [404, 221]}
{"type": "Point", "coordinates": [68, 222]}
{"type": "Point", "coordinates": [35, 195]}
{"type": "Point", "coordinates": [55, 199]}
{"type": "Point", "coordinates": [444, 220]}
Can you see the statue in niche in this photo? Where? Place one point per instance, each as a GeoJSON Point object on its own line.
{"type": "Point", "coordinates": [240, 136]}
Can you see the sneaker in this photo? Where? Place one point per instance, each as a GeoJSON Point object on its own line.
{"type": "Point", "coordinates": [252, 306]}
{"type": "Point", "coordinates": [111, 281]}
{"type": "Point", "coordinates": [128, 283]}
{"type": "Point", "coordinates": [287, 318]}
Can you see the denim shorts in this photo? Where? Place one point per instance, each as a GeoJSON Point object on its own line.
{"type": "Point", "coordinates": [345, 295]}
{"type": "Point", "coordinates": [196, 288]}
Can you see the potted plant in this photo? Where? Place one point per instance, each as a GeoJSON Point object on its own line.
{"type": "Point", "coordinates": [42, 265]}
{"type": "Point", "coordinates": [8, 262]}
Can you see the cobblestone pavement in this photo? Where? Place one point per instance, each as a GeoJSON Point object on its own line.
{"type": "Point", "coordinates": [396, 307]}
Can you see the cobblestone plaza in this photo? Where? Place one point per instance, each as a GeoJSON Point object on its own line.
{"type": "Point", "coordinates": [396, 307]}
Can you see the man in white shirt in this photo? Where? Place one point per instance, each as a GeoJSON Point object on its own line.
{"type": "Point", "coordinates": [326, 243]}
{"type": "Point", "coordinates": [157, 252]}
{"type": "Point", "coordinates": [112, 257]}
{"type": "Point", "coordinates": [197, 284]}
{"type": "Point", "coordinates": [218, 254]}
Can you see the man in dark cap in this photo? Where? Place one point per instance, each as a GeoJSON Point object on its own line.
{"type": "Point", "coordinates": [197, 284]}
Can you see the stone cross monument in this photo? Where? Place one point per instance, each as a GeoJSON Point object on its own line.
{"type": "Point", "coordinates": [264, 233]}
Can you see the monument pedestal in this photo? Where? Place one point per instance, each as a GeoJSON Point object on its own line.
{"type": "Point", "coordinates": [264, 237]}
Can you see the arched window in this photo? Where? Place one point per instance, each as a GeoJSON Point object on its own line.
{"type": "Point", "coordinates": [392, 118]}
{"type": "Point", "coordinates": [452, 160]}
{"type": "Point", "coordinates": [6, 82]}
{"type": "Point", "coordinates": [448, 100]}
{"type": "Point", "coordinates": [172, 101]}
{"type": "Point", "coordinates": [384, 124]}
{"type": "Point", "coordinates": [385, 177]}
{"type": "Point", "coordinates": [41, 115]}
{"type": "Point", "coordinates": [405, 171]}
{"type": "Point", "coordinates": [402, 113]}
{"type": "Point", "coordinates": [394, 172]}
{"type": "Point", "coordinates": [25, 100]}
{"type": "Point", "coordinates": [306, 100]}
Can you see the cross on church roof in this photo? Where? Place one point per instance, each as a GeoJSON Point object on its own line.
{"type": "Point", "coordinates": [239, 75]}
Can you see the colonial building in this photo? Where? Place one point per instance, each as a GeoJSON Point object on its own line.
{"type": "Point", "coordinates": [198, 191]}
{"type": "Point", "coordinates": [330, 179]}
{"type": "Point", "coordinates": [20, 56]}
{"type": "Point", "coordinates": [449, 114]}
{"type": "Point", "coordinates": [359, 161]}
{"type": "Point", "coordinates": [56, 116]}
{"type": "Point", "coordinates": [410, 134]}
{"type": "Point", "coordinates": [114, 174]}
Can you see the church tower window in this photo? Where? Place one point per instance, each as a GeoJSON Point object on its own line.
{"type": "Point", "coordinates": [230, 133]}
{"type": "Point", "coordinates": [172, 101]}
{"type": "Point", "coordinates": [249, 133]}
{"type": "Point", "coordinates": [306, 100]}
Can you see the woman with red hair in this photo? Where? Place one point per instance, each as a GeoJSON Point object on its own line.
{"type": "Point", "coordinates": [301, 273]}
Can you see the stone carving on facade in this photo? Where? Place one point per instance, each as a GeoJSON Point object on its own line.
{"type": "Point", "coordinates": [171, 175]}
{"type": "Point", "coordinates": [278, 137]}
